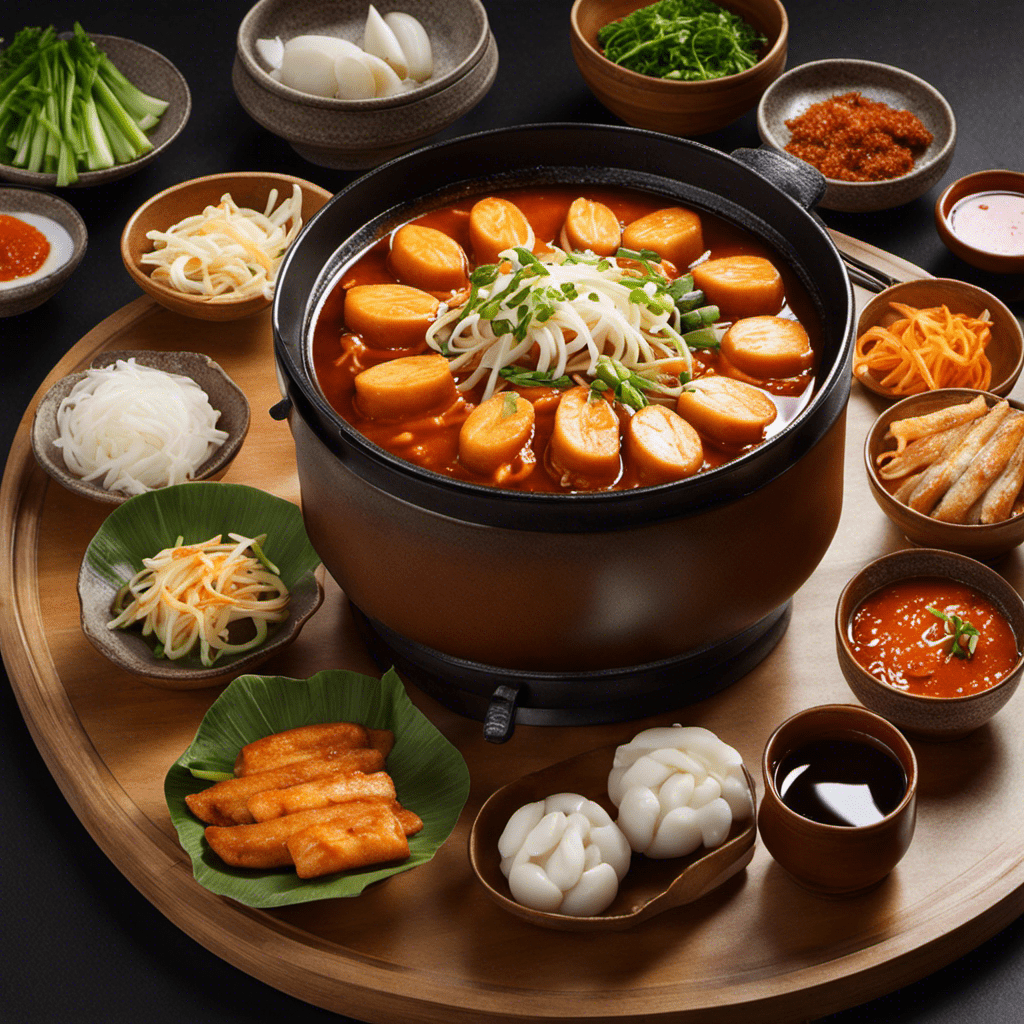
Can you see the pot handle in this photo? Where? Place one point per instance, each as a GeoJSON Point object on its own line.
{"type": "Point", "coordinates": [799, 180]}
{"type": "Point", "coordinates": [500, 720]}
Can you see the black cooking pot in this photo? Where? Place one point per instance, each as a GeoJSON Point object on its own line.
{"type": "Point", "coordinates": [571, 607]}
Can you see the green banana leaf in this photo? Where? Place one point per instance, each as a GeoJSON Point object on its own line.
{"type": "Point", "coordinates": [430, 775]}
{"type": "Point", "coordinates": [150, 522]}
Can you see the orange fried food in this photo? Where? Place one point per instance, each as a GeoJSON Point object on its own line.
{"type": "Point", "coordinates": [297, 744]}
{"type": "Point", "coordinates": [226, 803]}
{"type": "Point", "coordinates": [325, 792]}
{"type": "Point", "coordinates": [366, 833]}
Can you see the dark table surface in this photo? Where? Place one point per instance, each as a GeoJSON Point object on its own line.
{"type": "Point", "coordinates": [79, 944]}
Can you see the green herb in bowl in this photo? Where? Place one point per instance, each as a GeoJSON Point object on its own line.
{"type": "Point", "coordinates": [682, 40]}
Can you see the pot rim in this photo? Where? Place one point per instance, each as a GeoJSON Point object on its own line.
{"type": "Point", "coordinates": [305, 393]}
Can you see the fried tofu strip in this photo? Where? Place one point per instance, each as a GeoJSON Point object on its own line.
{"type": "Point", "coordinates": [334, 789]}
{"type": "Point", "coordinates": [225, 803]}
{"type": "Point", "coordinates": [298, 744]}
{"type": "Point", "coordinates": [941, 475]}
{"type": "Point", "coordinates": [367, 833]}
{"type": "Point", "coordinates": [912, 427]}
{"type": "Point", "coordinates": [264, 845]}
{"type": "Point", "coordinates": [984, 468]}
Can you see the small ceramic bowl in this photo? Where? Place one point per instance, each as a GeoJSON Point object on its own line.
{"type": "Point", "coordinates": [649, 887]}
{"type": "Point", "coordinates": [1005, 350]}
{"type": "Point", "coordinates": [224, 394]}
{"type": "Point", "coordinates": [977, 541]}
{"type": "Point", "coordinates": [676, 108]}
{"type": "Point", "coordinates": [357, 134]}
{"type": "Point", "coordinates": [249, 189]}
{"type": "Point", "coordinates": [64, 230]}
{"type": "Point", "coordinates": [148, 523]}
{"type": "Point", "coordinates": [153, 74]}
{"type": "Point", "coordinates": [937, 718]}
{"type": "Point", "coordinates": [836, 860]}
{"type": "Point", "coordinates": [977, 256]}
{"type": "Point", "coordinates": [803, 86]}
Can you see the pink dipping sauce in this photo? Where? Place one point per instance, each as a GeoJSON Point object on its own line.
{"type": "Point", "coordinates": [990, 221]}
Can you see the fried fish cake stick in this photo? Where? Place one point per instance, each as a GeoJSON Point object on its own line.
{"type": "Point", "coordinates": [297, 744]}
{"type": "Point", "coordinates": [334, 789]}
{"type": "Point", "coordinates": [225, 803]}
{"type": "Point", "coordinates": [368, 833]}
{"type": "Point", "coordinates": [382, 740]}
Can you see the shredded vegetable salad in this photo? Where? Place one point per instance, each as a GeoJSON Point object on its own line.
{"type": "Point", "coordinates": [227, 251]}
{"type": "Point", "coordinates": [190, 594]}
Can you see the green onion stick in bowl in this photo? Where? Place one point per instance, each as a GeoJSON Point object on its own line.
{"type": "Point", "coordinates": [682, 40]}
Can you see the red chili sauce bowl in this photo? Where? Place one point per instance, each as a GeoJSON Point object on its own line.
{"type": "Point", "coordinates": [923, 688]}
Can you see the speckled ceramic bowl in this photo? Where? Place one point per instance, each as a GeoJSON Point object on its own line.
{"type": "Point", "coordinates": [356, 134]}
{"type": "Point", "coordinates": [1005, 350]}
{"type": "Point", "coordinates": [977, 541]}
{"type": "Point", "coordinates": [152, 73]}
{"type": "Point", "coordinates": [223, 392]}
{"type": "Point", "coordinates": [939, 718]}
{"type": "Point", "coordinates": [20, 298]}
{"type": "Point", "coordinates": [803, 86]}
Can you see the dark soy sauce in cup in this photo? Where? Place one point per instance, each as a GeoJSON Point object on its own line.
{"type": "Point", "coordinates": [841, 781]}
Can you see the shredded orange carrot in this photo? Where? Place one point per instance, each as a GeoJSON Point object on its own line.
{"type": "Point", "coordinates": [927, 349]}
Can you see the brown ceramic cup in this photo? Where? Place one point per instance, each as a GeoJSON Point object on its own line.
{"type": "Point", "coordinates": [836, 860]}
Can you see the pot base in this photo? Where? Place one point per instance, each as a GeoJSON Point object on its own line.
{"type": "Point", "coordinates": [503, 697]}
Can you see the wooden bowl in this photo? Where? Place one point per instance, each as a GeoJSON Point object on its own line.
{"type": "Point", "coordinates": [1005, 350]}
{"type": "Point", "coordinates": [977, 541]}
{"type": "Point", "coordinates": [153, 74]}
{"type": "Point", "coordinates": [803, 86]}
{"type": "Point", "coordinates": [357, 134]}
{"type": "Point", "coordinates": [224, 395]}
{"type": "Point", "coordinates": [67, 247]}
{"type": "Point", "coordinates": [650, 886]}
{"type": "Point", "coordinates": [937, 718]}
{"type": "Point", "coordinates": [676, 108]}
{"type": "Point", "coordinates": [972, 184]}
{"type": "Point", "coordinates": [248, 189]}
{"type": "Point", "coordinates": [835, 860]}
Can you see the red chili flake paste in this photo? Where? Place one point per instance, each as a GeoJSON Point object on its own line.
{"type": "Point", "coordinates": [23, 248]}
{"type": "Point", "coordinates": [851, 138]}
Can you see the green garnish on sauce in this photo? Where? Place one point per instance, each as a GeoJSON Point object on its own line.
{"type": "Point", "coordinates": [682, 40]}
{"type": "Point", "coordinates": [956, 629]}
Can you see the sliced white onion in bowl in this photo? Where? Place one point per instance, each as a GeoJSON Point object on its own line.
{"type": "Point", "coordinates": [380, 40]}
{"type": "Point", "coordinates": [272, 52]}
{"type": "Point", "coordinates": [355, 80]}
{"type": "Point", "coordinates": [386, 80]}
{"type": "Point", "coordinates": [415, 43]}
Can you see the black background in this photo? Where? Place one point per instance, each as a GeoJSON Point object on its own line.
{"type": "Point", "coordinates": [79, 944]}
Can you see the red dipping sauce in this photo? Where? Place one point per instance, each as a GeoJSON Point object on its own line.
{"type": "Point", "coordinates": [23, 248]}
{"type": "Point", "coordinates": [895, 638]}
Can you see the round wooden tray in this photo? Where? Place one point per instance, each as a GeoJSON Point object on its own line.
{"type": "Point", "coordinates": [428, 945]}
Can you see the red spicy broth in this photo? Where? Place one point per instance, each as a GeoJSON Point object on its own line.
{"type": "Point", "coordinates": [339, 355]}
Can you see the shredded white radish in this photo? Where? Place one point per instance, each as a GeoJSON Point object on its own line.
{"type": "Point", "coordinates": [226, 252]}
{"type": "Point", "coordinates": [190, 594]}
{"type": "Point", "coordinates": [133, 428]}
{"type": "Point", "coordinates": [569, 311]}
